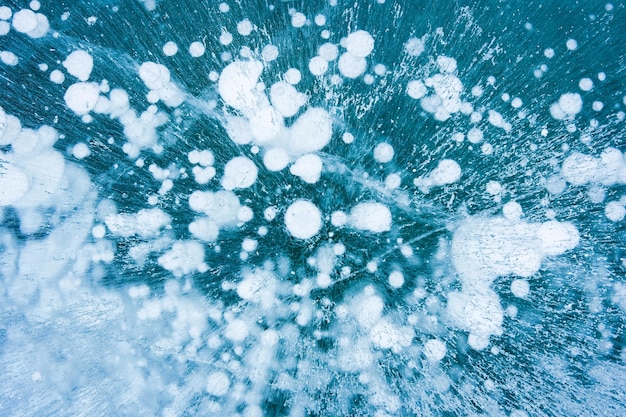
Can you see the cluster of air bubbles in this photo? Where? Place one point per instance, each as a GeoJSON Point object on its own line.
{"type": "Point", "coordinates": [282, 211]}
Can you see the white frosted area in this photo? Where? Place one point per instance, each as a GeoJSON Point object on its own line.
{"type": "Point", "coordinates": [582, 169]}
{"type": "Point", "coordinates": [13, 183]}
{"type": "Point", "coordinates": [615, 211]}
{"type": "Point", "coordinates": [447, 172]}
{"type": "Point", "coordinates": [276, 159]}
{"type": "Point", "coordinates": [238, 130]}
{"type": "Point", "coordinates": [311, 132]}
{"type": "Point", "coordinates": [154, 76]}
{"type": "Point", "coordinates": [79, 64]}
{"type": "Point", "coordinates": [360, 43]}
{"type": "Point", "coordinates": [237, 330]}
{"type": "Point", "coordinates": [9, 58]}
{"type": "Point", "coordinates": [414, 47]}
{"type": "Point", "coordinates": [318, 66]}
{"type": "Point", "coordinates": [371, 216]}
{"type": "Point", "coordinates": [204, 229]}
{"type": "Point", "coordinates": [221, 207]}
{"type": "Point", "coordinates": [286, 99]}
{"type": "Point", "coordinates": [24, 21]}
{"type": "Point", "coordinates": [485, 248]}
{"type": "Point", "coordinates": [396, 279]}
{"type": "Point", "coordinates": [303, 219]}
{"type": "Point", "coordinates": [366, 307]}
{"type": "Point", "coordinates": [385, 335]}
{"type": "Point", "coordinates": [218, 383]}
{"type": "Point", "coordinates": [416, 89]}
{"type": "Point", "coordinates": [446, 64]}
{"type": "Point", "coordinates": [281, 219]}
{"type": "Point", "coordinates": [258, 287]}
{"type": "Point", "coordinates": [383, 152]}
{"type": "Point", "coordinates": [185, 257]}
{"type": "Point", "coordinates": [435, 350]}
{"type": "Point", "coordinates": [475, 135]}
{"type": "Point", "coordinates": [265, 124]}
{"type": "Point", "coordinates": [239, 172]}
{"type": "Point", "coordinates": [478, 311]}
{"type": "Point", "coordinates": [328, 51]}
{"type": "Point", "coordinates": [237, 85]}
{"type": "Point", "coordinates": [520, 288]}
{"type": "Point", "coordinates": [308, 167]}
{"type": "Point", "coordinates": [512, 211]}
{"type": "Point", "coordinates": [351, 66]}
{"type": "Point", "coordinates": [568, 106]}
{"type": "Point", "coordinates": [144, 223]}
{"type": "Point", "coordinates": [82, 97]}
{"type": "Point", "coordinates": [557, 237]}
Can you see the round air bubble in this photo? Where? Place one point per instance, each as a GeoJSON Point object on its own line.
{"type": "Point", "coordinates": [447, 172]}
{"type": "Point", "coordinates": [239, 172]}
{"type": "Point", "coordinates": [24, 21]}
{"type": "Point", "coordinates": [360, 43]}
{"type": "Point", "coordinates": [275, 159]}
{"type": "Point", "coordinates": [318, 66]}
{"type": "Point", "coordinates": [303, 219]}
{"type": "Point", "coordinates": [82, 97]}
{"type": "Point", "coordinates": [383, 152]}
{"type": "Point", "coordinates": [614, 211]}
{"type": "Point", "coordinates": [218, 383]}
{"type": "Point", "coordinates": [351, 66]}
{"type": "Point", "coordinates": [435, 350]}
{"type": "Point", "coordinates": [520, 288]}
{"type": "Point", "coordinates": [571, 103]}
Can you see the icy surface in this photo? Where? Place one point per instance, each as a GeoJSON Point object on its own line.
{"type": "Point", "coordinates": [312, 208]}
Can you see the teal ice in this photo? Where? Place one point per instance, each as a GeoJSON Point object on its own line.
{"type": "Point", "coordinates": [312, 208]}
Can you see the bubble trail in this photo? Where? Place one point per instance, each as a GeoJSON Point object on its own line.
{"type": "Point", "coordinates": [382, 208]}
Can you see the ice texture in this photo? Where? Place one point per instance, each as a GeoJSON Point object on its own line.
{"type": "Point", "coordinates": [312, 208]}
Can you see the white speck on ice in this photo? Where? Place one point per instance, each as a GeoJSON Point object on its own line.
{"type": "Point", "coordinates": [512, 211]}
{"type": "Point", "coordinates": [170, 48]}
{"type": "Point", "coordinates": [244, 27]}
{"type": "Point", "coordinates": [286, 99]}
{"type": "Point", "coordinates": [318, 66]}
{"type": "Point", "coordinates": [303, 219]}
{"type": "Point", "coordinates": [276, 159]}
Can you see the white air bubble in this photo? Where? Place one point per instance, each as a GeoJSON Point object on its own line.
{"type": "Point", "coordinates": [303, 219]}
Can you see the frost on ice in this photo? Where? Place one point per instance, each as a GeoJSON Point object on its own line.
{"type": "Point", "coordinates": [247, 209]}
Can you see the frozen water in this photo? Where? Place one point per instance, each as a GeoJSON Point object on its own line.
{"type": "Point", "coordinates": [254, 208]}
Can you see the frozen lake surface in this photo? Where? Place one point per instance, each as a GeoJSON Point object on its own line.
{"type": "Point", "coordinates": [292, 208]}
